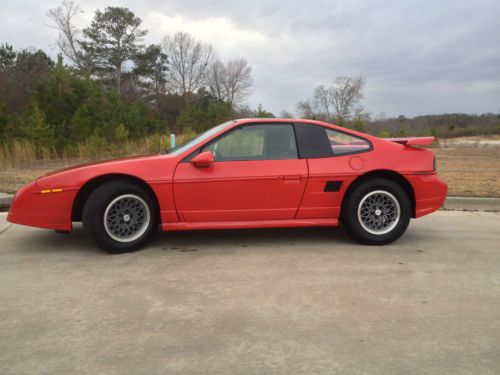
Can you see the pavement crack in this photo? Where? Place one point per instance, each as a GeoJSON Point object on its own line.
{"type": "Point", "coordinates": [5, 229]}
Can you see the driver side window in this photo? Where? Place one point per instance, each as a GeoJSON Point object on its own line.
{"type": "Point", "coordinates": [255, 142]}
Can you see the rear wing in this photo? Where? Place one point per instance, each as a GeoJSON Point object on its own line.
{"type": "Point", "coordinates": [412, 141]}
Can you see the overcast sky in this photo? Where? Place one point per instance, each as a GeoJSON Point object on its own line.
{"type": "Point", "coordinates": [417, 57]}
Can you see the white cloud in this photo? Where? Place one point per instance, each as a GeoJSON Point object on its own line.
{"type": "Point", "coordinates": [218, 31]}
{"type": "Point", "coordinates": [417, 56]}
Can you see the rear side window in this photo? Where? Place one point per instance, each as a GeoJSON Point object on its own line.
{"type": "Point", "coordinates": [317, 141]}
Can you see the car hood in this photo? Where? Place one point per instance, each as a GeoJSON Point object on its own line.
{"type": "Point", "coordinates": [148, 168]}
{"type": "Point", "coordinates": [100, 163]}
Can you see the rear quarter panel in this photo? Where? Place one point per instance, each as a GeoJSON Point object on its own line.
{"type": "Point", "coordinates": [318, 203]}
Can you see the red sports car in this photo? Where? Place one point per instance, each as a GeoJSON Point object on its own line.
{"type": "Point", "coordinates": [249, 173]}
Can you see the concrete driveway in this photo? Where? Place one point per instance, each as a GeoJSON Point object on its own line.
{"type": "Point", "coordinates": [255, 301]}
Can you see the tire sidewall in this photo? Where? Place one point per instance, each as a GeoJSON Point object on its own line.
{"type": "Point", "coordinates": [94, 217]}
{"type": "Point", "coordinates": [350, 212]}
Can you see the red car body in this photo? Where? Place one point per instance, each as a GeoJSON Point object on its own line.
{"type": "Point", "coordinates": [238, 194]}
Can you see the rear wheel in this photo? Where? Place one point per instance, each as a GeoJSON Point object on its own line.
{"type": "Point", "coordinates": [376, 212]}
{"type": "Point", "coordinates": [120, 217]}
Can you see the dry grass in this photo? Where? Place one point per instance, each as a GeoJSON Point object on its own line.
{"type": "Point", "coordinates": [470, 170]}
{"type": "Point", "coordinates": [22, 154]}
{"type": "Point", "coordinates": [21, 161]}
{"type": "Point", "coordinates": [12, 179]}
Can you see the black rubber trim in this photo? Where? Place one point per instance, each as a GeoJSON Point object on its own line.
{"type": "Point", "coordinates": [332, 186]}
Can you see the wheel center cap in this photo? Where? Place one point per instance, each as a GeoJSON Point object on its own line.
{"type": "Point", "coordinates": [126, 218]}
{"type": "Point", "coordinates": [378, 212]}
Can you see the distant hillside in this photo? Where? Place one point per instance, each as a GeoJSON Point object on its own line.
{"type": "Point", "coordinates": [446, 125]}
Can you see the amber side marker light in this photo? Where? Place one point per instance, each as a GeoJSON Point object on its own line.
{"type": "Point", "coordinates": [45, 191]}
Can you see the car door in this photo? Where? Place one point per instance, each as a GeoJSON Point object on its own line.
{"type": "Point", "coordinates": [256, 175]}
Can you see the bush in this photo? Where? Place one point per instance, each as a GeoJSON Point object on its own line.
{"type": "Point", "coordinates": [94, 146]}
{"type": "Point", "coordinates": [121, 133]}
{"type": "Point", "coordinates": [384, 134]}
{"type": "Point", "coordinates": [358, 125]}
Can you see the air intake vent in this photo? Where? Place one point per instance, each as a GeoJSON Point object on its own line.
{"type": "Point", "coordinates": [333, 186]}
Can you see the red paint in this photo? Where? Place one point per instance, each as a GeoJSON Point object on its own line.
{"type": "Point", "coordinates": [413, 141]}
{"type": "Point", "coordinates": [356, 163]}
{"type": "Point", "coordinates": [250, 224]}
{"type": "Point", "coordinates": [240, 190]}
{"type": "Point", "coordinates": [238, 194]}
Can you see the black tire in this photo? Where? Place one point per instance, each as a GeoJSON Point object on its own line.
{"type": "Point", "coordinates": [359, 228]}
{"type": "Point", "coordinates": [96, 207]}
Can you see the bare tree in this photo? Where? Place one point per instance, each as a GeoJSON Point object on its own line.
{"type": "Point", "coordinates": [215, 77]}
{"type": "Point", "coordinates": [305, 110]}
{"type": "Point", "coordinates": [63, 21]}
{"type": "Point", "coordinates": [345, 93]}
{"type": "Point", "coordinates": [322, 102]}
{"type": "Point", "coordinates": [315, 109]}
{"type": "Point", "coordinates": [230, 82]}
{"type": "Point", "coordinates": [188, 59]}
{"type": "Point", "coordinates": [338, 101]}
{"type": "Point", "coordinates": [286, 114]}
{"type": "Point", "coordinates": [238, 80]}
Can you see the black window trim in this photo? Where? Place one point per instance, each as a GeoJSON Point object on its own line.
{"type": "Point", "coordinates": [188, 158]}
{"type": "Point", "coordinates": [370, 148]}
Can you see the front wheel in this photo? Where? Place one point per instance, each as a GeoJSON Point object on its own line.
{"type": "Point", "coordinates": [376, 212]}
{"type": "Point", "coordinates": [119, 216]}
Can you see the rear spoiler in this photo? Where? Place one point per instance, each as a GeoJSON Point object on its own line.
{"type": "Point", "coordinates": [413, 141]}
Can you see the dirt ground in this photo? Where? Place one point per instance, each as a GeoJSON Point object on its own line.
{"type": "Point", "coordinates": [471, 169]}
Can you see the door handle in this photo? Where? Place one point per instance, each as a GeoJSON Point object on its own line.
{"type": "Point", "coordinates": [292, 177]}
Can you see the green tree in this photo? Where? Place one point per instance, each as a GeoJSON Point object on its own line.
{"type": "Point", "coordinates": [18, 82]}
{"type": "Point", "coordinates": [260, 112]}
{"type": "Point", "coordinates": [35, 128]}
{"type": "Point", "coordinates": [7, 56]}
{"type": "Point", "coordinates": [89, 116]}
{"type": "Point", "coordinates": [60, 94]}
{"type": "Point", "coordinates": [4, 122]}
{"type": "Point", "coordinates": [150, 70]}
{"type": "Point", "coordinates": [134, 116]}
{"type": "Point", "coordinates": [206, 112]}
{"type": "Point", "coordinates": [112, 39]}
{"type": "Point", "coordinates": [34, 63]}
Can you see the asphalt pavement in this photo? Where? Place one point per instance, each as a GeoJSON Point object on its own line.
{"type": "Point", "coordinates": [255, 301]}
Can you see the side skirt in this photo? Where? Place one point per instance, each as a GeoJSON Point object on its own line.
{"type": "Point", "coordinates": [250, 224]}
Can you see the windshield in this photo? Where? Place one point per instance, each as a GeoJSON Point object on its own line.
{"type": "Point", "coordinates": [177, 150]}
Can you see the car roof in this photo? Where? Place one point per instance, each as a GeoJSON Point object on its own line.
{"type": "Point", "coordinates": [306, 121]}
{"type": "Point", "coordinates": [243, 121]}
{"type": "Point", "coordinates": [274, 119]}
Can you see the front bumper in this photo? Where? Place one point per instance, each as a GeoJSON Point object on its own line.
{"type": "Point", "coordinates": [50, 210]}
